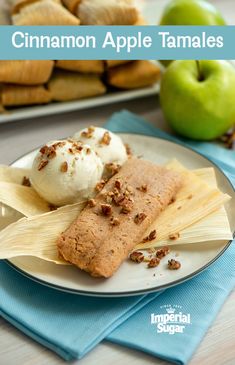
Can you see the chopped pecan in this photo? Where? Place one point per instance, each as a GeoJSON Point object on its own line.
{"type": "Point", "coordinates": [118, 184]}
{"type": "Point", "coordinates": [126, 208]}
{"type": "Point", "coordinates": [162, 252]}
{"type": "Point", "coordinates": [105, 139]}
{"type": "Point", "coordinates": [114, 221]}
{"type": "Point", "coordinates": [106, 209]}
{"type": "Point", "coordinates": [43, 149]}
{"type": "Point", "coordinates": [91, 203]}
{"type": "Point", "coordinates": [139, 218]}
{"type": "Point", "coordinates": [152, 235]}
{"type": "Point", "coordinates": [99, 186]}
{"type": "Point", "coordinates": [88, 133]}
{"type": "Point", "coordinates": [112, 168]}
{"type": "Point", "coordinates": [174, 264]}
{"type": "Point", "coordinates": [174, 236]}
{"type": "Point", "coordinates": [143, 188]}
{"type": "Point", "coordinates": [153, 262]}
{"type": "Point", "coordinates": [26, 181]}
{"type": "Point", "coordinates": [137, 256]}
{"type": "Point", "coordinates": [64, 166]}
{"type": "Point", "coordinates": [42, 164]}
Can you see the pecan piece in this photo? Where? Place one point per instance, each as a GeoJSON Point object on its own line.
{"type": "Point", "coordinates": [112, 168]}
{"type": "Point", "coordinates": [137, 256]}
{"type": "Point", "coordinates": [139, 218]}
{"type": "Point", "coordinates": [153, 262]}
{"type": "Point", "coordinates": [26, 181]}
{"type": "Point", "coordinates": [162, 252]}
{"type": "Point", "coordinates": [114, 221]}
{"type": "Point", "coordinates": [118, 184]}
{"type": "Point", "coordinates": [106, 209]}
{"type": "Point", "coordinates": [174, 236]}
{"type": "Point", "coordinates": [99, 186]}
{"type": "Point", "coordinates": [174, 264]}
{"type": "Point", "coordinates": [152, 235]}
{"type": "Point", "coordinates": [88, 133]}
{"type": "Point", "coordinates": [42, 164]}
{"type": "Point", "coordinates": [64, 166]}
{"type": "Point", "coordinates": [91, 203]}
{"type": "Point", "coordinates": [105, 139]}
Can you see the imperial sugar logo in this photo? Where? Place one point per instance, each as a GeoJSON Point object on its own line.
{"type": "Point", "coordinates": [171, 320]}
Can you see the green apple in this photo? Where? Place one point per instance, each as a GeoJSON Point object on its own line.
{"type": "Point", "coordinates": [191, 12]}
{"type": "Point", "coordinates": [198, 98]}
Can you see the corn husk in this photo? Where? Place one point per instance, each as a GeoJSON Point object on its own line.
{"type": "Point", "coordinates": [13, 175]}
{"type": "Point", "coordinates": [107, 12]}
{"type": "Point", "coordinates": [15, 95]}
{"type": "Point", "coordinates": [26, 72]}
{"type": "Point", "coordinates": [44, 12]}
{"type": "Point", "coordinates": [17, 5]}
{"type": "Point", "coordinates": [23, 199]}
{"type": "Point", "coordinates": [133, 75]}
{"type": "Point", "coordinates": [36, 236]}
{"type": "Point", "coordinates": [96, 67]}
{"type": "Point", "coordinates": [66, 85]}
{"type": "Point", "coordinates": [201, 216]}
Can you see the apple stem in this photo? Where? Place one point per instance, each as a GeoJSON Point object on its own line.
{"type": "Point", "coordinates": [200, 76]}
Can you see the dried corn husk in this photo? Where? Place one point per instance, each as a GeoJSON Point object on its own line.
{"type": "Point", "coordinates": [36, 236]}
{"type": "Point", "coordinates": [17, 5]}
{"type": "Point", "coordinates": [13, 175]}
{"type": "Point", "coordinates": [133, 75]}
{"type": "Point", "coordinates": [44, 12]}
{"type": "Point", "coordinates": [65, 86]}
{"type": "Point", "coordinates": [107, 12]}
{"type": "Point", "coordinates": [197, 214]}
{"type": "Point", "coordinates": [23, 199]}
{"type": "Point", "coordinates": [26, 72]}
{"type": "Point", "coordinates": [13, 95]}
{"type": "Point", "coordinates": [96, 67]}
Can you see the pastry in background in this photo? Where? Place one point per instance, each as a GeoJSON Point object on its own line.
{"type": "Point", "coordinates": [71, 5]}
{"type": "Point", "coordinates": [26, 72]}
{"type": "Point", "coordinates": [107, 12]}
{"type": "Point", "coordinates": [16, 95]}
{"type": "Point", "coordinates": [5, 14]}
{"type": "Point", "coordinates": [67, 85]}
{"type": "Point", "coordinates": [16, 5]}
{"type": "Point", "coordinates": [114, 63]}
{"type": "Point", "coordinates": [133, 75]}
{"type": "Point", "coordinates": [46, 12]}
{"type": "Point", "coordinates": [96, 67]}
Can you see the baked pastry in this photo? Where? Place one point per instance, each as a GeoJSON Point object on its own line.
{"type": "Point", "coordinates": [46, 12]}
{"type": "Point", "coordinates": [66, 85]}
{"type": "Point", "coordinates": [26, 72]}
{"type": "Point", "coordinates": [96, 67]}
{"type": "Point", "coordinates": [133, 75]}
{"type": "Point", "coordinates": [15, 95]}
{"type": "Point", "coordinates": [113, 223]}
{"type": "Point", "coordinates": [5, 16]}
{"type": "Point", "coordinates": [107, 12]}
{"type": "Point", "coordinates": [114, 63]}
{"type": "Point", "coordinates": [16, 5]}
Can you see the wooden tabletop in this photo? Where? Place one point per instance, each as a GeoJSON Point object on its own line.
{"type": "Point", "coordinates": [18, 138]}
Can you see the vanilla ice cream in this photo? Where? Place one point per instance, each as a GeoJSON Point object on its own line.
{"type": "Point", "coordinates": [108, 146]}
{"type": "Point", "coordinates": [66, 172]}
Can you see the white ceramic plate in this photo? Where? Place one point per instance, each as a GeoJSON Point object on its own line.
{"type": "Point", "coordinates": [132, 279]}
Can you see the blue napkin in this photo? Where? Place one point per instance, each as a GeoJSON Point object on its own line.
{"type": "Point", "coordinates": [200, 298]}
{"type": "Point", "coordinates": [72, 325]}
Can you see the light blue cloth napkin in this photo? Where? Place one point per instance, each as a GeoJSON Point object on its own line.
{"type": "Point", "coordinates": [72, 325]}
{"type": "Point", "coordinates": [200, 297]}
{"type": "Point", "coordinates": [68, 324]}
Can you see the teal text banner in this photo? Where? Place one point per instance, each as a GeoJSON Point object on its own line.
{"type": "Point", "coordinates": [116, 42]}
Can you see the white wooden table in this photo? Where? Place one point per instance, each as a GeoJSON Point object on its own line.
{"type": "Point", "coordinates": [218, 346]}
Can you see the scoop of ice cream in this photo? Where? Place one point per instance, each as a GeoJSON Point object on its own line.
{"type": "Point", "coordinates": [108, 146]}
{"type": "Point", "coordinates": [66, 172]}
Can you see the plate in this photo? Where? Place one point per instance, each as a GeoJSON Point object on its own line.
{"type": "Point", "coordinates": [132, 279]}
